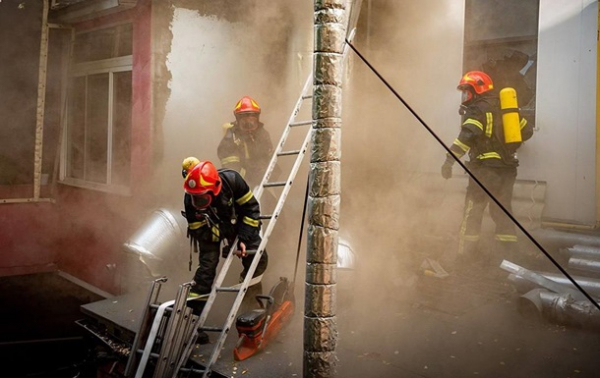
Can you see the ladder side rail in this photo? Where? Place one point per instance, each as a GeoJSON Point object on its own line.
{"type": "Point", "coordinates": [160, 312]}
{"type": "Point", "coordinates": [284, 136]}
{"type": "Point", "coordinates": [189, 346]}
{"type": "Point", "coordinates": [286, 189]}
{"type": "Point", "coordinates": [179, 342]}
{"type": "Point", "coordinates": [186, 336]}
{"type": "Point", "coordinates": [172, 329]}
{"type": "Point", "coordinates": [144, 321]}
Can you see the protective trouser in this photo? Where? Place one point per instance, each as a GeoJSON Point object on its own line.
{"type": "Point", "coordinates": [209, 260]}
{"type": "Point", "coordinates": [500, 182]}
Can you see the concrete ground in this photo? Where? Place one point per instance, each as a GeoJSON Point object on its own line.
{"type": "Point", "coordinates": [393, 321]}
{"type": "Point", "coordinates": [464, 325]}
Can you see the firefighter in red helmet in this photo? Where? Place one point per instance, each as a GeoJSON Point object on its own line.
{"type": "Point", "coordinates": [492, 161]}
{"type": "Point", "coordinates": [219, 205]}
{"type": "Point", "coordinates": [246, 146]}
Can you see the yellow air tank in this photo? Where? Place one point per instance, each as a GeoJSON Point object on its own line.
{"type": "Point", "coordinates": [510, 115]}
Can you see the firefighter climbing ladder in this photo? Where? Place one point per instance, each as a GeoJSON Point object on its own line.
{"type": "Point", "coordinates": [174, 324]}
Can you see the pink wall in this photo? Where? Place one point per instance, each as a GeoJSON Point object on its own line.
{"type": "Point", "coordinates": [82, 233]}
{"type": "Point", "coordinates": [27, 241]}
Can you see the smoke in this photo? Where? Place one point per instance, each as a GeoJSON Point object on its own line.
{"type": "Point", "coordinates": [396, 209]}
{"type": "Point", "coordinates": [390, 193]}
{"type": "Point", "coordinates": [216, 58]}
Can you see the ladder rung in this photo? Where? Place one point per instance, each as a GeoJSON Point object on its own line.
{"type": "Point", "coordinates": [228, 289]}
{"type": "Point", "coordinates": [192, 370]}
{"type": "Point", "coordinates": [211, 329]}
{"type": "Point", "coordinates": [266, 216]}
{"type": "Point", "coordinates": [301, 123]}
{"type": "Point", "coordinates": [154, 355]}
{"type": "Point", "coordinates": [286, 153]}
{"type": "Point", "coordinates": [276, 183]}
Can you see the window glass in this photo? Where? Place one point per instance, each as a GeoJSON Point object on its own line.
{"type": "Point", "coordinates": [121, 136]}
{"type": "Point", "coordinates": [124, 41]}
{"type": "Point", "coordinates": [103, 44]}
{"type": "Point", "coordinates": [98, 130]}
{"type": "Point", "coordinates": [96, 135]}
{"type": "Point", "coordinates": [76, 129]}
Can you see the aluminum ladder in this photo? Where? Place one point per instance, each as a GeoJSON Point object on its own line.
{"type": "Point", "coordinates": [163, 332]}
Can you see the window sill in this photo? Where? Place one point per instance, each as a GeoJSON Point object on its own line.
{"type": "Point", "coordinates": [113, 189]}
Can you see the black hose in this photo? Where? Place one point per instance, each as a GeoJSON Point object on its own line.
{"type": "Point", "coordinates": [301, 232]}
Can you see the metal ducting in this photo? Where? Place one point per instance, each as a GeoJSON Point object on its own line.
{"type": "Point", "coordinates": [586, 265]}
{"type": "Point", "coordinates": [158, 248]}
{"type": "Point", "coordinates": [565, 239]}
{"type": "Point", "coordinates": [524, 285]}
{"type": "Point", "coordinates": [560, 308]}
{"type": "Point", "coordinates": [582, 252]}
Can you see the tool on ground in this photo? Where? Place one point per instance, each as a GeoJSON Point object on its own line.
{"type": "Point", "coordinates": [256, 328]}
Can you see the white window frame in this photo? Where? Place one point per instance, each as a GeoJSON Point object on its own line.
{"type": "Point", "coordinates": [110, 66]}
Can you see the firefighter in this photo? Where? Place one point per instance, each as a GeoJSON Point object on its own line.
{"type": "Point", "coordinates": [491, 160]}
{"type": "Point", "coordinates": [219, 206]}
{"type": "Point", "coordinates": [246, 146]}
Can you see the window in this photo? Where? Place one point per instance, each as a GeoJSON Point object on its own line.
{"type": "Point", "coordinates": [97, 148]}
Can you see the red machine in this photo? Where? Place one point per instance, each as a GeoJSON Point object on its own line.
{"type": "Point", "coordinates": [258, 327]}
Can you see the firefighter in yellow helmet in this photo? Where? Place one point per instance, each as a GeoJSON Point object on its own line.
{"type": "Point", "coordinates": [246, 146]}
{"type": "Point", "coordinates": [492, 161]}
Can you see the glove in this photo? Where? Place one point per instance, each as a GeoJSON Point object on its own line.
{"type": "Point", "coordinates": [447, 169]}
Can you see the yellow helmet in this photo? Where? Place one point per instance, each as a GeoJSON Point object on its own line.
{"type": "Point", "coordinates": [188, 164]}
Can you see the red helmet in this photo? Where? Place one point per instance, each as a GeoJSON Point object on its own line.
{"type": "Point", "coordinates": [474, 81]}
{"type": "Point", "coordinates": [247, 112]}
{"type": "Point", "coordinates": [202, 183]}
{"type": "Point", "coordinates": [246, 105]}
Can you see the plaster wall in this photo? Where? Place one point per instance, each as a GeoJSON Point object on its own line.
{"type": "Point", "coordinates": [563, 151]}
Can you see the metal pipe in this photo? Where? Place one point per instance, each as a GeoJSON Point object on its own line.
{"type": "Point", "coordinates": [565, 239]}
{"type": "Point", "coordinates": [539, 279]}
{"type": "Point", "coordinates": [560, 308]}
{"type": "Point", "coordinates": [586, 265]}
{"type": "Point", "coordinates": [524, 285]}
{"type": "Point", "coordinates": [583, 251]}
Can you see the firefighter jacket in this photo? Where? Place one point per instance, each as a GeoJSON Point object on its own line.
{"type": "Point", "coordinates": [247, 153]}
{"type": "Point", "coordinates": [482, 135]}
{"type": "Point", "coordinates": [234, 212]}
